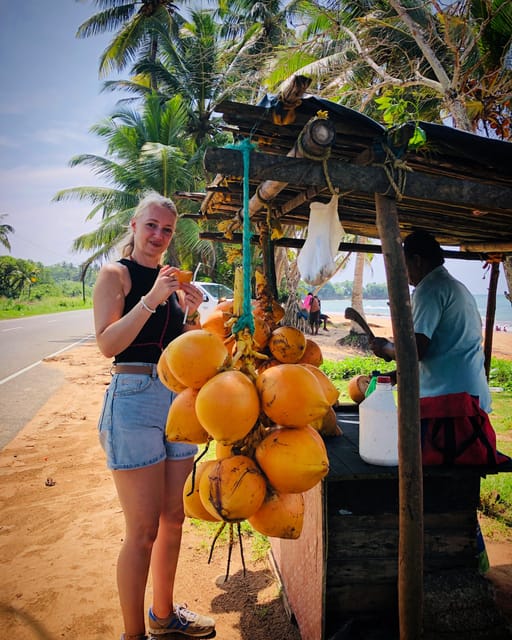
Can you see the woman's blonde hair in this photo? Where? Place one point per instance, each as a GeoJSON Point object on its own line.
{"type": "Point", "coordinates": [149, 199]}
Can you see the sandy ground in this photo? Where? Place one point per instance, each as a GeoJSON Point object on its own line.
{"type": "Point", "coordinates": [61, 525]}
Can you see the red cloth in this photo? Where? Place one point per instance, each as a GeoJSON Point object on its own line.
{"type": "Point", "coordinates": [455, 430]}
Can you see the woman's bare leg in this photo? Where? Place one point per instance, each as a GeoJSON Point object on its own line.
{"type": "Point", "coordinates": [140, 493]}
{"type": "Point", "coordinates": [164, 559]}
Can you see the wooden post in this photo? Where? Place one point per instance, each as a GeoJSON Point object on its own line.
{"type": "Point", "coordinates": [410, 477]}
{"type": "Point", "coordinates": [490, 315]}
{"type": "Point", "coordinates": [268, 254]}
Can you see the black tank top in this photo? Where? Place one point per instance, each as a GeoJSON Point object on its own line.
{"type": "Point", "coordinates": [160, 328]}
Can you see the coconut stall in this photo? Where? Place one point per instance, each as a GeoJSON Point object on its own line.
{"type": "Point", "coordinates": [383, 546]}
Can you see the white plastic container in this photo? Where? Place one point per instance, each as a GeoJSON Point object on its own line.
{"type": "Point", "coordinates": [378, 426]}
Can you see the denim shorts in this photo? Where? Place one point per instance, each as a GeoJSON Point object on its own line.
{"type": "Point", "coordinates": [132, 422]}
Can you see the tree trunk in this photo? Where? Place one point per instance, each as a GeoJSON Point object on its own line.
{"type": "Point", "coordinates": [507, 267]}
{"type": "Point", "coordinates": [457, 109]}
{"type": "Point", "coordinates": [282, 260]}
{"type": "Point", "coordinates": [490, 317]}
{"type": "Point", "coordinates": [357, 291]}
{"type": "Point", "coordinates": [292, 277]}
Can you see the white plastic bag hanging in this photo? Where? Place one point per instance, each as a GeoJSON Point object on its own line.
{"type": "Point", "coordinates": [316, 260]}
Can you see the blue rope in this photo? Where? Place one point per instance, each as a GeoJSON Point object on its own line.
{"type": "Point", "coordinates": [246, 320]}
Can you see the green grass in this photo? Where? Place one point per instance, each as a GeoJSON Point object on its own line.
{"type": "Point", "coordinates": [23, 308]}
{"type": "Point", "coordinates": [496, 489]}
{"type": "Point", "coordinates": [342, 371]}
{"type": "Point", "coordinates": [501, 374]}
{"type": "Point", "coordinates": [259, 543]}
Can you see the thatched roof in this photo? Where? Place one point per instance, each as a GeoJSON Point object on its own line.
{"type": "Point", "coordinates": [458, 185]}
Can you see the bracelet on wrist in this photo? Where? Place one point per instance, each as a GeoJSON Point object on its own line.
{"type": "Point", "coordinates": [145, 306]}
{"type": "Point", "coordinates": [192, 318]}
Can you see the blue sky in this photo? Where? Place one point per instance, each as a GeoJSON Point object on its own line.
{"type": "Point", "coordinates": [51, 96]}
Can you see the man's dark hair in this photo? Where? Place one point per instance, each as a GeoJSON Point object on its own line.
{"type": "Point", "coordinates": [421, 243]}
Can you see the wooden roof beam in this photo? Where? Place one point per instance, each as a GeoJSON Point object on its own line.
{"type": "Point", "coordinates": [298, 243]}
{"type": "Point", "coordinates": [368, 180]}
{"type": "Point", "coordinates": [488, 247]}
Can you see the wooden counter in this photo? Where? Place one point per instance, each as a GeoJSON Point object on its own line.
{"type": "Point", "coordinates": [344, 565]}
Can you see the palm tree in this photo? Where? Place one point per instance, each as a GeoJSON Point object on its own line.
{"type": "Point", "coordinates": [267, 20]}
{"type": "Point", "coordinates": [195, 62]}
{"type": "Point", "coordinates": [134, 23]}
{"type": "Point", "coordinates": [323, 51]}
{"type": "Point", "coordinates": [266, 28]}
{"type": "Point", "coordinates": [191, 59]}
{"type": "Point", "coordinates": [194, 68]}
{"type": "Point", "coordinates": [488, 95]}
{"type": "Point", "coordinates": [21, 277]}
{"type": "Point", "coordinates": [147, 151]}
{"type": "Point", "coordinates": [193, 65]}
{"type": "Point", "coordinates": [440, 59]}
{"type": "Point", "coordinates": [5, 229]}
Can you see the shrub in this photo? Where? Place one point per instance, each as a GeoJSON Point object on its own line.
{"type": "Point", "coordinates": [500, 374]}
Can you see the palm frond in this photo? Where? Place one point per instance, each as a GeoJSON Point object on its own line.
{"type": "Point", "coordinates": [108, 20]}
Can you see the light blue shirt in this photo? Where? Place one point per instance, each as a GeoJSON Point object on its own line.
{"type": "Point", "coordinates": [445, 311]}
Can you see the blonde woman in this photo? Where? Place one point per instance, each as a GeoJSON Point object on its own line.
{"type": "Point", "coordinates": [139, 307]}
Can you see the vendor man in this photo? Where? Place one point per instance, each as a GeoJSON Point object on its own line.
{"type": "Point", "coordinates": [447, 325]}
{"type": "Point", "coordinates": [454, 394]}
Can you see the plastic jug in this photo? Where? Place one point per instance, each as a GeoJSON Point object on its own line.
{"type": "Point", "coordinates": [378, 425]}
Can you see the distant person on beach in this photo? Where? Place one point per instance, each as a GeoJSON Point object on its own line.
{"type": "Point", "coordinates": [314, 315]}
{"type": "Point", "coordinates": [304, 307]}
{"type": "Point", "coordinates": [453, 383]}
{"type": "Point", "coordinates": [323, 318]}
{"type": "Point", "coordinates": [139, 308]}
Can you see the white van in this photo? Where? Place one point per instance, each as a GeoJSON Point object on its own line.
{"type": "Point", "coordinates": [213, 293]}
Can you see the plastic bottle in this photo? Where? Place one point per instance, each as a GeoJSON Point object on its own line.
{"type": "Point", "coordinates": [378, 425]}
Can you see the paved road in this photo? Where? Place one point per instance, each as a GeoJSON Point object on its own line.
{"type": "Point", "coordinates": [24, 343]}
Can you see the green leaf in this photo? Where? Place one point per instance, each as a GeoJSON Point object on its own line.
{"type": "Point", "coordinates": [418, 139]}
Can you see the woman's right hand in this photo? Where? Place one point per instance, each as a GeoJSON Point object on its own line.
{"type": "Point", "coordinates": [165, 285]}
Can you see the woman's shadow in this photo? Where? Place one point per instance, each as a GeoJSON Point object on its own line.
{"type": "Point", "coordinates": [268, 618]}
